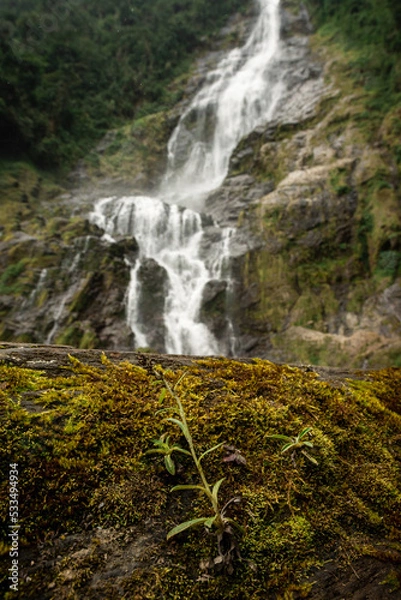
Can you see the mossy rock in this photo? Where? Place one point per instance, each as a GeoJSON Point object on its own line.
{"type": "Point", "coordinates": [95, 508]}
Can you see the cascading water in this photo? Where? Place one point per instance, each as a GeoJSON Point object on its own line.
{"type": "Point", "coordinates": [173, 237]}
{"type": "Point", "coordinates": [185, 250]}
{"type": "Point", "coordinates": [238, 95]}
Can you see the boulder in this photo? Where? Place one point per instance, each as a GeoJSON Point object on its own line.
{"type": "Point", "coordinates": [154, 288]}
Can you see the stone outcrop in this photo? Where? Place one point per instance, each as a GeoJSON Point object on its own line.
{"type": "Point", "coordinates": [214, 310]}
{"type": "Point", "coordinates": [77, 289]}
{"type": "Point", "coordinates": [153, 279]}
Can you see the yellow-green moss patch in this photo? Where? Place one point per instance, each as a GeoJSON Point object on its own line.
{"type": "Point", "coordinates": [80, 444]}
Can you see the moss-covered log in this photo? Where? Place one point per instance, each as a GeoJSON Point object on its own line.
{"type": "Point", "coordinates": [94, 508]}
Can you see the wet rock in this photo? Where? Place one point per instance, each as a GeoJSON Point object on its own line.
{"type": "Point", "coordinates": [75, 293]}
{"type": "Point", "coordinates": [154, 287]}
{"type": "Point", "coordinates": [297, 23]}
{"type": "Point", "coordinates": [214, 309]}
{"type": "Point", "coordinates": [211, 290]}
{"type": "Point", "coordinates": [235, 195]}
{"type": "Point", "coordinates": [6, 302]}
{"type": "Point", "coordinates": [125, 248]}
{"type": "Point", "coordinates": [390, 301]}
{"type": "Point", "coordinates": [116, 335]}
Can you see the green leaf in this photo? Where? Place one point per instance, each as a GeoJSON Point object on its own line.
{"type": "Point", "coordinates": [176, 488]}
{"type": "Point", "coordinates": [182, 450]}
{"type": "Point", "coordinates": [216, 488]}
{"type": "Point", "coordinates": [209, 522]}
{"type": "Point", "coordinates": [180, 425]}
{"type": "Point", "coordinates": [180, 379]}
{"type": "Point", "coordinates": [167, 409]}
{"type": "Point", "coordinates": [304, 432]}
{"type": "Point", "coordinates": [278, 436]}
{"type": "Point", "coordinates": [162, 395]}
{"type": "Point", "coordinates": [309, 444]}
{"type": "Point", "coordinates": [211, 450]}
{"type": "Point", "coordinates": [287, 447]}
{"type": "Point", "coordinates": [186, 525]}
{"type": "Point", "coordinates": [161, 445]}
{"type": "Point", "coordinates": [170, 466]}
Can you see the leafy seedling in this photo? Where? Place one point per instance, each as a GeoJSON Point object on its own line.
{"type": "Point", "coordinates": [296, 444]}
{"type": "Point", "coordinates": [217, 522]}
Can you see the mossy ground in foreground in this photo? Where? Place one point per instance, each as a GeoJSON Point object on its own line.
{"type": "Point", "coordinates": [80, 444]}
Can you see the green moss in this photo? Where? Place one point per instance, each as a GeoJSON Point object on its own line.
{"type": "Point", "coordinates": [78, 336]}
{"type": "Point", "coordinates": [379, 221]}
{"type": "Point", "coordinates": [359, 293]}
{"type": "Point", "coordinates": [339, 181]}
{"type": "Point", "coordinates": [83, 454]}
{"type": "Point", "coordinates": [388, 263]}
{"type": "Point", "coordinates": [269, 276]}
{"type": "Point", "coordinates": [135, 150]}
{"type": "Point", "coordinates": [83, 298]}
{"type": "Point", "coordinates": [9, 279]}
{"type": "Point", "coordinates": [71, 336]}
{"type": "Point", "coordinates": [313, 308]}
{"type": "Point", "coordinates": [89, 340]}
{"type": "Point", "coordinates": [25, 192]}
{"type": "Point", "coordinates": [321, 350]}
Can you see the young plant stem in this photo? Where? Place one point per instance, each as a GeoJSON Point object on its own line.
{"type": "Point", "coordinates": [188, 437]}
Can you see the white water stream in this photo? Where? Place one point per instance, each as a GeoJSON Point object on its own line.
{"type": "Point", "coordinates": [238, 96]}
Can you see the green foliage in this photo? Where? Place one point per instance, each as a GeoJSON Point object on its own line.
{"type": "Point", "coordinates": [295, 444]}
{"type": "Point", "coordinates": [365, 227]}
{"type": "Point", "coordinates": [71, 70]}
{"type": "Point", "coordinates": [9, 279]}
{"type": "Point", "coordinates": [373, 29]}
{"type": "Point", "coordinates": [162, 446]}
{"type": "Point", "coordinates": [338, 181]}
{"type": "Point", "coordinates": [388, 263]}
{"type": "Point", "coordinates": [222, 525]}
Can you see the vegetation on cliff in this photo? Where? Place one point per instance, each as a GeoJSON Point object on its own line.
{"type": "Point", "coordinates": [330, 258]}
{"type": "Point", "coordinates": [69, 71]}
{"type": "Point", "coordinates": [95, 508]}
{"type": "Point", "coordinates": [373, 28]}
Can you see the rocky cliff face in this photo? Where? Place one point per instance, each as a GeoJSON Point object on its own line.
{"type": "Point", "coordinates": [314, 198]}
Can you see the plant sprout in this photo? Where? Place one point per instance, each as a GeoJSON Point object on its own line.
{"type": "Point", "coordinates": [296, 444]}
{"type": "Point", "coordinates": [217, 521]}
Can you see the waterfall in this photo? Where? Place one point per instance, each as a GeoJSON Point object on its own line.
{"type": "Point", "coordinates": [187, 251]}
{"type": "Point", "coordinates": [181, 251]}
{"type": "Point", "coordinates": [240, 94]}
